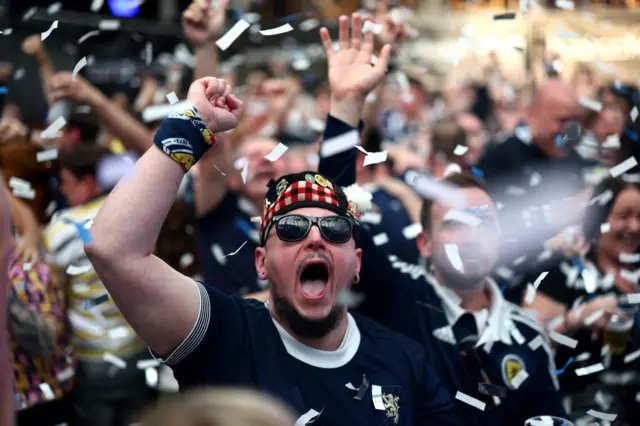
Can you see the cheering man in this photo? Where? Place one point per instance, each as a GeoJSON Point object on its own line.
{"type": "Point", "coordinates": [303, 346]}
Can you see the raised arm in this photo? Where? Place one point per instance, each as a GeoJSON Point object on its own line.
{"type": "Point", "coordinates": [202, 23]}
{"type": "Point", "coordinates": [119, 122]}
{"type": "Point", "coordinates": [34, 47]}
{"type": "Point", "coordinates": [161, 304]}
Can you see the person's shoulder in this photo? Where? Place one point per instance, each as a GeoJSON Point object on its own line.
{"type": "Point", "coordinates": [389, 341]}
{"type": "Point", "coordinates": [498, 151]}
{"type": "Point", "coordinates": [524, 319]}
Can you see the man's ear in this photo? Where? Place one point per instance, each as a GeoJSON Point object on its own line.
{"type": "Point", "coordinates": [424, 244]}
{"type": "Point", "coordinates": [260, 261]}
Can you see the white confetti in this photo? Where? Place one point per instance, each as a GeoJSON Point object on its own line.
{"type": "Point", "coordinates": [538, 280]}
{"type": "Point", "coordinates": [53, 129]}
{"type": "Point", "coordinates": [562, 339]}
{"type": "Point", "coordinates": [456, 215]}
{"type": "Point", "coordinates": [634, 114]}
{"type": "Point", "coordinates": [17, 183]}
{"type": "Point", "coordinates": [256, 219]}
{"type": "Point", "coordinates": [623, 167]}
{"type": "Point", "coordinates": [26, 266]}
{"type": "Point", "coordinates": [244, 174]}
{"type": "Point", "coordinates": [460, 150]}
{"type": "Point", "coordinates": [44, 35]}
{"type": "Point", "coordinates": [565, 4]}
{"type": "Point", "coordinates": [452, 169]}
{"type": "Point", "coordinates": [530, 295]}
{"type": "Point", "coordinates": [109, 25]}
{"type": "Point", "coordinates": [430, 187]}
{"type": "Point", "coordinates": [470, 400]}
{"type": "Point", "coordinates": [112, 359]}
{"type": "Point", "coordinates": [316, 125]}
{"type": "Point", "coordinates": [602, 416]}
{"type": "Point", "coordinates": [629, 257]}
{"type": "Point", "coordinates": [591, 369]}
{"type": "Point", "coordinates": [309, 24]}
{"type": "Point", "coordinates": [74, 270]}
{"type": "Point", "coordinates": [278, 30]}
{"type": "Point", "coordinates": [88, 35]}
{"type": "Point", "coordinates": [172, 98]}
{"type": "Point", "coordinates": [375, 158]}
{"type": "Point", "coordinates": [18, 74]}
{"type": "Point", "coordinates": [631, 276]}
{"type": "Point", "coordinates": [536, 343]}
{"type": "Point", "coordinates": [590, 104]}
{"type": "Point", "coordinates": [277, 152]}
{"type": "Point", "coordinates": [612, 142]}
{"type": "Point", "coordinates": [371, 27]}
{"type": "Point", "coordinates": [380, 239]}
{"type": "Point", "coordinates": [308, 417]}
{"type": "Point", "coordinates": [54, 8]}
{"type": "Point", "coordinates": [376, 395]}
{"type": "Point", "coordinates": [48, 155]}
{"type": "Point", "coordinates": [160, 112]}
{"type": "Point", "coordinates": [605, 227]}
{"type": "Point", "coordinates": [236, 31]}
{"type": "Point", "coordinates": [594, 317]}
{"type": "Point", "coordinates": [47, 391]}
{"type": "Point", "coordinates": [565, 34]}
{"type": "Point", "coordinates": [186, 260]}
{"type": "Point", "coordinates": [148, 54]}
{"type": "Point", "coordinates": [517, 381]}
{"type": "Point", "coordinates": [65, 374]}
{"type": "Point", "coordinates": [411, 231]}
{"type": "Point", "coordinates": [143, 364]}
{"type": "Point", "coordinates": [27, 194]}
{"type": "Point", "coordinates": [96, 5]}
{"type": "Point", "coordinates": [236, 252]}
{"type": "Point", "coordinates": [454, 257]}
{"type": "Point", "coordinates": [632, 356]}
{"type": "Point", "coordinates": [633, 298]}
{"type": "Point", "coordinates": [118, 332]}
{"type": "Point", "coordinates": [81, 64]}
{"type": "Point", "coordinates": [338, 144]}
{"type": "Point", "coordinates": [29, 13]}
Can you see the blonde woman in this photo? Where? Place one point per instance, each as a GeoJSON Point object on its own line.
{"type": "Point", "coordinates": [222, 407]}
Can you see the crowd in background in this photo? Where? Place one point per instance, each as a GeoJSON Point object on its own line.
{"type": "Point", "coordinates": [555, 155]}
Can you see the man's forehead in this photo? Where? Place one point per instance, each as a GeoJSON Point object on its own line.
{"type": "Point", "coordinates": [476, 203]}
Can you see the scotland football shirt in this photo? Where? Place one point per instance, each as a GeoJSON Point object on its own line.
{"type": "Point", "coordinates": [376, 377]}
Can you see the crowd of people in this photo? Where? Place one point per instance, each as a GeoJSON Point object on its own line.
{"type": "Point", "coordinates": [369, 250]}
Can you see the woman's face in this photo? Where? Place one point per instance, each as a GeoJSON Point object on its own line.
{"type": "Point", "coordinates": [624, 220]}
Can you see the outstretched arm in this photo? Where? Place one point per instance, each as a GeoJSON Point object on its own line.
{"type": "Point", "coordinates": [161, 304]}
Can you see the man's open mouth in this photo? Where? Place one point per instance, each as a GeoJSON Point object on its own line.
{"type": "Point", "coordinates": [314, 279]}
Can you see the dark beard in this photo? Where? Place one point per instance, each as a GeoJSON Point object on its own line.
{"type": "Point", "coordinates": [304, 327]}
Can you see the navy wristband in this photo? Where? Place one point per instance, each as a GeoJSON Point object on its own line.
{"type": "Point", "coordinates": [184, 138]}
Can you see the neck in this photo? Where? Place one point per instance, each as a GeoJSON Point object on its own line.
{"type": "Point", "coordinates": [608, 264]}
{"type": "Point", "coordinates": [475, 299]}
{"type": "Point", "coordinates": [330, 342]}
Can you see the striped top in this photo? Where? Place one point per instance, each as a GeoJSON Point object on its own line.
{"type": "Point", "coordinates": [97, 326]}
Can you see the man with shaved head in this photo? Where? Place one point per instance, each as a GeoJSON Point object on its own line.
{"type": "Point", "coordinates": [536, 177]}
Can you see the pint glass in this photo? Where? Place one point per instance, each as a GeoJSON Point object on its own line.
{"type": "Point", "coordinates": [618, 329]}
{"type": "Point", "coordinates": [547, 421]}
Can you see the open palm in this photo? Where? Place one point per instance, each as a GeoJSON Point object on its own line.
{"type": "Point", "coordinates": [350, 70]}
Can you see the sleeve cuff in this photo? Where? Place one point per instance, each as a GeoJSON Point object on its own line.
{"type": "Point", "coordinates": [195, 337]}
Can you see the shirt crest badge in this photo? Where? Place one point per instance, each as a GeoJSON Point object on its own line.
{"type": "Point", "coordinates": [512, 365]}
{"type": "Point", "coordinates": [392, 406]}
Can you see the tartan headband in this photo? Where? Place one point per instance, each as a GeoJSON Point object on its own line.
{"type": "Point", "coordinates": [310, 189]}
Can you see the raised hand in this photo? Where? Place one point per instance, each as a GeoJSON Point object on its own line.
{"type": "Point", "coordinates": [64, 85]}
{"type": "Point", "coordinates": [391, 30]}
{"type": "Point", "coordinates": [32, 45]}
{"type": "Point", "coordinates": [350, 71]}
{"type": "Point", "coordinates": [219, 109]}
{"type": "Point", "coordinates": [202, 23]}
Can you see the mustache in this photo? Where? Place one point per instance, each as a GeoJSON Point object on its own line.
{"type": "Point", "coordinates": [316, 255]}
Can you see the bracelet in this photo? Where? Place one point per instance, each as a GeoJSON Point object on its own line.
{"type": "Point", "coordinates": [184, 138]}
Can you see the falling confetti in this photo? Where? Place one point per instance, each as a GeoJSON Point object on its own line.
{"type": "Point", "coordinates": [44, 35]}
{"type": "Point", "coordinates": [476, 403]}
{"type": "Point", "coordinates": [277, 152]}
{"type": "Point", "coordinates": [81, 64]}
{"type": "Point", "coordinates": [236, 31]}
{"type": "Point", "coordinates": [109, 25]}
{"type": "Point", "coordinates": [88, 35]}
{"type": "Point", "coordinates": [278, 30]}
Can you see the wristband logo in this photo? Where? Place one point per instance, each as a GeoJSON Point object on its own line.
{"type": "Point", "coordinates": [209, 138]}
{"type": "Point", "coordinates": [180, 151]}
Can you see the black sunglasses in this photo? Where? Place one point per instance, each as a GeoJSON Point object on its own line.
{"type": "Point", "coordinates": [294, 227]}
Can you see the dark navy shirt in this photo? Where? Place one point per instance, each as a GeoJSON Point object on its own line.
{"type": "Point", "coordinates": [405, 298]}
{"type": "Point", "coordinates": [222, 232]}
{"type": "Point", "coordinates": [235, 342]}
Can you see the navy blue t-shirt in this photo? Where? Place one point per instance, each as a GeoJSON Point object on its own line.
{"type": "Point", "coordinates": [221, 232]}
{"type": "Point", "coordinates": [398, 295]}
{"type": "Point", "coordinates": [236, 342]}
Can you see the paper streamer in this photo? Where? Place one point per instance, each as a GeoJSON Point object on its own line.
{"type": "Point", "coordinates": [308, 417]}
{"type": "Point", "coordinates": [380, 239]}
{"type": "Point", "coordinates": [278, 30]}
{"type": "Point", "coordinates": [476, 403]}
{"type": "Point", "coordinates": [562, 339]}
{"type": "Point", "coordinates": [236, 31]}
{"type": "Point", "coordinates": [623, 167]}
{"type": "Point", "coordinates": [44, 35]}
{"type": "Point", "coordinates": [591, 369]}
{"type": "Point", "coordinates": [81, 64]}
{"type": "Point", "coordinates": [112, 359]}
{"type": "Point", "coordinates": [109, 25]}
{"type": "Point", "coordinates": [454, 256]}
{"type": "Point", "coordinates": [88, 35]}
{"type": "Point", "coordinates": [344, 142]}
{"type": "Point", "coordinates": [462, 217]}
{"type": "Point", "coordinates": [376, 395]}
{"type": "Point", "coordinates": [362, 389]}
{"type": "Point", "coordinates": [602, 416]}
{"type": "Point", "coordinates": [54, 128]}
{"type": "Point", "coordinates": [277, 152]}
{"type": "Point", "coordinates": [172, 98]}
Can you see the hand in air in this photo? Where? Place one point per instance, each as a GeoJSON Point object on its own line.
{"type": "Point", "coordinates": [201, 22]}
{"type": "Point", "coordinates": [219, 109]}
{"type": "Point", "coordinates": [65, 85]}
{"type": "Point", "coordinates": [351, 73]}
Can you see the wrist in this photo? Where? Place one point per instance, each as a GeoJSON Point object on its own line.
{"type": "Point", "coordinates": [347, 109]}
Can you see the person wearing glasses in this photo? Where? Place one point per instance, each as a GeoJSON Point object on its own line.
{"type": "Point", "coordinates": [303, 346]}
